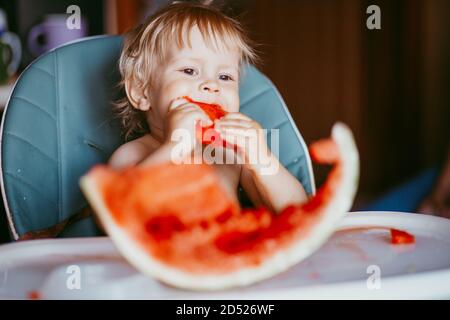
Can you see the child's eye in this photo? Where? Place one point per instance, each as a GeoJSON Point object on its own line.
{"type": "Point", "coordinates": [189, 71]}
{"type": "Point", "coordinates": [225, 77]}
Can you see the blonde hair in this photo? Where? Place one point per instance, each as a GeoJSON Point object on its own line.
{"type": "Point", "coordinates": [146, 45]}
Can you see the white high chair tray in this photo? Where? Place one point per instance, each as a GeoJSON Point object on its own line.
{"type": "Point", "coordinates": [358, 262]}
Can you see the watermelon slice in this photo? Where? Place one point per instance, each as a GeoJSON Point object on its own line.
{"type": "Point", "coordinates": [176, 222]}
{"type": "Point", "coordinates": [207, 135]}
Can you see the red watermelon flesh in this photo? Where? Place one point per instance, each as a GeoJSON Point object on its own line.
{"type": "Point", "coordinates": [177, 223]}
{"type": "Point", "coordinates": [207, 135]}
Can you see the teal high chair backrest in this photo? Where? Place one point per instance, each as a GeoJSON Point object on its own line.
{"type": "Point", "coordinates": [58, 123]}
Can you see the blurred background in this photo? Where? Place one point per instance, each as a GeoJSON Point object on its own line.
{"type": "Point", "coordinates": [391, 86]}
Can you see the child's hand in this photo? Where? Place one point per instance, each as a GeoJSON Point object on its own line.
{"type": "Point", "coordinates": [245, 133]}
{"type": "Point", "coordinates": [185, 115]}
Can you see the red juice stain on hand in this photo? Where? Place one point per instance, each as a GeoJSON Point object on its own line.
{"type": "Point", "coordinates": [401, 237]}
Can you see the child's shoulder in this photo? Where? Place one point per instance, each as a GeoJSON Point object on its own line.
{"type": "Point", "coordinates": [133, 152]}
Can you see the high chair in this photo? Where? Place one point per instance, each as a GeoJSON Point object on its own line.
{"type": "Point", "coordinates": [59, 122]}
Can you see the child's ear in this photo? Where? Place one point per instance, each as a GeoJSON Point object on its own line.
{"type": "Point", "coordinates": [138, 97]}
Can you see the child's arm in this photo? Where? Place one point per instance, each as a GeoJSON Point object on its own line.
{"type": "Point", "coordinates": [182, 116]}
{"type": "Point", "coordinates": [138, 152]}
{"type": "Point", "coordinates": [129, 154]}
{"type": "Point", "coordinates": [275, 191]}
{"type": "Point", "coordinates": [263, 177]}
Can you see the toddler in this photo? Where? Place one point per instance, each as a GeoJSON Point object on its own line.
{"type": "Point", "coordinates": [195, 51]}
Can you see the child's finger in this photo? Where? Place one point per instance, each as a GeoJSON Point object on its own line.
{"type": "Point", "coordinates": [231, 128]}
{"type": "Point", "coordinates": [237, 131]}
{"type": "Point", "coordinates": [233, 122]}
{"type": "Point", "coordinates": [200, 115]}
{"type": "Point", "coordinates": [191, 108]}
{"type": "Point", "coordinates": [177, 103]}
{"type": "Point", "coordinates": [236, 115]}
{"type": "Point", "coordinates": [187, 107]}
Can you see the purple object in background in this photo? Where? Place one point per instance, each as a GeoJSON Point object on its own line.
{"type": "Point", "coordinates": [53, 32]}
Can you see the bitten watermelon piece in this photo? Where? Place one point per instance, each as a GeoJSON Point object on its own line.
{"type": "Point", "coordinates": [207, 135]}
{"type": "Point", "coordinates": [176, 222]}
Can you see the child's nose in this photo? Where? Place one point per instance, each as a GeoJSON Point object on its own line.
{"type": "Point", "coordinates": [209, 86]}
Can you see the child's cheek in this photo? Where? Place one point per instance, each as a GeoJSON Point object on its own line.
{"type": "Point", "coordinates": [170, 91]}
{"type": "Point", "coordinates": [178, 88]}
{"type": "Point", "coordinates": [233, 101]}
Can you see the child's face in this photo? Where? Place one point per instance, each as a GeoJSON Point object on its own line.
{"type": "Point", "coordinates": [200, 72]}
